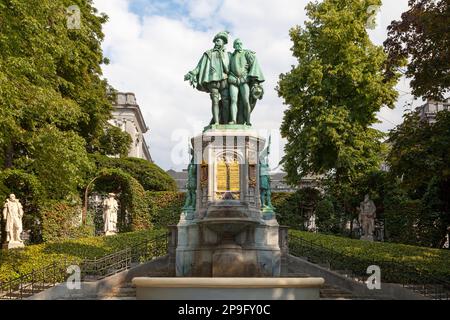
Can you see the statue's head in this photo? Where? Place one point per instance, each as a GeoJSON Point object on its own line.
{"type": "Point", "coordinates": [237, 44]}
{"type": "Point", "coordinates": [111, 195]}
{"type": "Point", "coordinates": [366, 197]}
{"type": "Point", "coordinates": [221, 39]}
{"type": "Point", "coordinates": [12, 197]}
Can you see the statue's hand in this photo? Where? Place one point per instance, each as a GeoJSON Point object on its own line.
{"type": "Point", "coordinates": [192, 79]}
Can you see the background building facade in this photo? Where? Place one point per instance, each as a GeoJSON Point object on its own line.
{"type": "Point", "coordinates": [428, 110]}
{"type": "Point", "coordinates": [128, 117]}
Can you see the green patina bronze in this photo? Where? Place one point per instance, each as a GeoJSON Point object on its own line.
{"type": "Point", "coordinates": [264, 180]}
{"type": "Point", "coordinates": [191, 185]}
{"type": "Point", "coordinates": [244, 82]}
{"type": "Point", "coordinates": [233, 81]}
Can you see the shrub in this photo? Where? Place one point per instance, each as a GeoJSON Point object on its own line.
{"type": "Point", "coordinates": [326, 219]}
{"type": "Point", "coordinates": [412, 222]}
{"type": "Point", "coordinates": [166, 207]}
{"type": "Point", "coordinates": [429, 260]}
{"type": "Point", "coordinates": [292, 208]}
{"type": "Point", "coordinates": [20, 261]}
{"type": "Point", "coordinates": [149, 175]}
{"type": "Point", "coordinates": [134, 209]}
{"type": "Point", "coordinates": [62, 220]}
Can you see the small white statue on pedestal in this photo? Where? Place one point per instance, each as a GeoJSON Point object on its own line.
{"type": "Point", "coordinates": [367, 213]}
{"type": "Point", "coordinates": [110, 208]}
{"type": "Point", "coordinates": [311, 223]}
{"type": "Point", "coordinates": [13, 213]}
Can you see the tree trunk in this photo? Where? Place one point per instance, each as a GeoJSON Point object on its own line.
{"type": "Point", "coordinates": [9, 155]}
{"type": "Point", "coordinates": [351, 228]}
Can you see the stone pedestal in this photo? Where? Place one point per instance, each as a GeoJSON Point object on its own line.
{"type": "Point", "coordinates": [12, 245]}
{"type": "Point", "coordinates": [367, 238]}
{"type": "Point", "coordinates": [228, 234]}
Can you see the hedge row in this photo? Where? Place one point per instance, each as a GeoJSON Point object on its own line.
{"type": "Point", "coordinates": [292, 208]}
{"type": "Point", "coordinates": [21, 261]}
{"type": "Point", "coordinates": [430, 260]}
{"type": "Point", "coordinates": [165, 207]}
{"type": "Point", "coordinates": [149, 175]}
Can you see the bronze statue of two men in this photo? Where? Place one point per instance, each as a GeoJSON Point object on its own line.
{"type": "Point", "coordinates": [233, 81]}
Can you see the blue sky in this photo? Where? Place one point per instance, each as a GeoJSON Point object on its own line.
{"type": "Point", "coordinates": [153, 43]}
{"type": "Point", "coordinates": [169, 8]}
{"type": "Point", "coordinates": [175, 9]}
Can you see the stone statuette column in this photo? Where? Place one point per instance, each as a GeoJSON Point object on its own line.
{"type": "Point", "coordinates": [110, 209]}
{"type": "Point", "coordinates": [12, 214]}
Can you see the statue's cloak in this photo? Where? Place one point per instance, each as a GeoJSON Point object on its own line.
{"type": "Point", "coordinates": [211, 67]}
{"type": "Point", "coordinates": [254, 74]}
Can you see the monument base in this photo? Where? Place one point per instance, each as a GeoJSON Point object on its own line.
{"type": "Point", "coordinates": [367, 238]}
{"type": "Point", "coordinates": [228, 233]}
{"type": "Point", "coordinates": [110, 233]}
{"type": "Point", "coordinates": [13, 245]}
{"type": "Point", "coordinates": [203, 251]}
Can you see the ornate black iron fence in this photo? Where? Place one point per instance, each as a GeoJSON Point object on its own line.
{"type": "Point", "coordinates": [39, 280]}
{"type": "Point", "coordinates": [406, 275]}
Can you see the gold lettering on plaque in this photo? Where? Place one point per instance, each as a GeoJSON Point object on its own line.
{"type": "Point", "coordinates": [227, 178]}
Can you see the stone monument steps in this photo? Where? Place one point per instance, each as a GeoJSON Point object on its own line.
{"type": "Point", "coordinates": [125, 291]}
{"type": "Point", "coordinates": [433, 291]}
{"type": "Point", "coordinates": [327, 292]}
{"type": "Point", "coordinates": [297, 275]}
{"type": "Point", "coordinates": [334, 293]}
{"type": "Point", "coordinates": [116, 298]}
{"type": "Point", "coordinates": [323, 265]}
{"type": "Point", "coordinates": [158, 274]}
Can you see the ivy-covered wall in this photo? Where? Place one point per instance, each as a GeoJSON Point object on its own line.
{"type": "Point", "coordinates": [165, 207]}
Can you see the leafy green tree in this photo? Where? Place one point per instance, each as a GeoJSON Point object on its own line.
{"type": "Point", "coordinates": [53, 102]}
{"type": "Point", "coordinates": [59, 160]}
{"type": "Point", "coordinates": [334, 93]}
{"type": "Point", "coordinates": [422, 36]}
{"type": "Point", "coordinates": [114, 141]}
{"type": "Point", "coordinates": [420, 156]}
{"type": "Point", "coordinates": [327, 220]}
{"type": "Point", "coordinates": [293, 208]}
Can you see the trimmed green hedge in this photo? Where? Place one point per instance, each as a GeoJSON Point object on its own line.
{"type": "Point", "coordinates": [62, 220]}
{"type": "Point", "coordinates": [165, 207]}
{"type": "Point", "coordinates": [149, 175]}
{"type": "Point", "coordinates": [134, 209]}
{"type": "Point", "coordinates": [292, 208]}
{"type": "Point", "coordinates": [433, 261]}
{"type": "Point", "coordinates": [21, 261]}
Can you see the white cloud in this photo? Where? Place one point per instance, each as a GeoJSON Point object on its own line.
{"type": "Point", "coordinates": [150, 55]}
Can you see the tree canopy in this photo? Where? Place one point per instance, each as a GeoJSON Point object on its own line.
{"type": "Point", "coordinates": [334, 93]}
{"type": "Point", "coordinates": [53, 102]}
{"type": "Point", "coordinates": [114, 141]}
{"type": "Point", "coordinates": [420, 156]}
{"type": "Point", "coordinates": [422, 36]}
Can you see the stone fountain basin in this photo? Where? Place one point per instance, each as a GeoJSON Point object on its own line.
{"type": "Point", "coordinates": [232, 226]}
{"type": "Point", "coordinates": [227, 288]}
